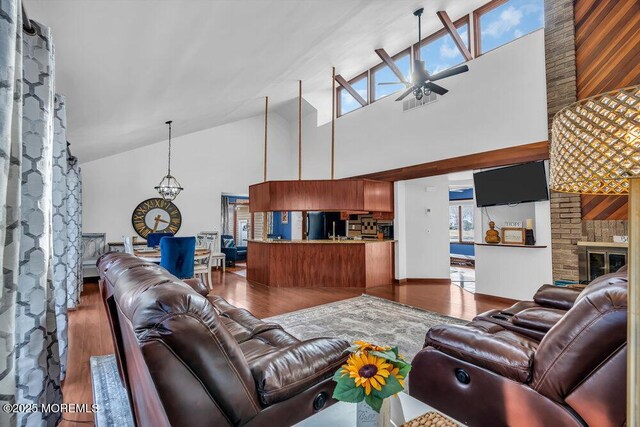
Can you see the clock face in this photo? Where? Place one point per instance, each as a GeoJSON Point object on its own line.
{"type": "Point", "coordinates": [156, 216]}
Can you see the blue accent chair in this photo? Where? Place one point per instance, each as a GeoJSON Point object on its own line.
{"type": "Point", "coordinates": [232, 252]}
{"type": "Point", "coordinates": [177, 255]}
{"type": "Point", "coordinates": [153, 239]}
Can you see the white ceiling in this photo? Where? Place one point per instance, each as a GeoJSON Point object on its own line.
{"type": "Point", "coordinates": [127, 66]}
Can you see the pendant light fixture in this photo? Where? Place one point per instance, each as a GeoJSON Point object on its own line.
{"type": "Point", "coordinates": [169, 187]}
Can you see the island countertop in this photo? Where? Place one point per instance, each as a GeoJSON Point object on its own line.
{"type": "Point", "coordinates": [322, 241]}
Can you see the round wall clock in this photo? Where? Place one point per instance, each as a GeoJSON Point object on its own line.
{"type": "Point", "coordinates": [156, 216]}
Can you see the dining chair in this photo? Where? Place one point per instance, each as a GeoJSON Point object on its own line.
{"type": "Point", "coordinates": [203, 264]}
{"type": "Point", "coordinates": [153, 239]}
{"type": "Point", "coordinates": [177, 255]}
{"type": "Point", "coordinates": [128, 244]}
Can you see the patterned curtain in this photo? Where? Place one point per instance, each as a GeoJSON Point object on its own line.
{"type": "Point", "coordinates": [59, 226]}
{"type": "Point", "coordinates": [33, 298]}
{"type": "Point", "coordinates": [37, 352]}
{"type": "Point", "coordinates": [74, 232]}
{"type": "Point", "coordinates": [10, 182]}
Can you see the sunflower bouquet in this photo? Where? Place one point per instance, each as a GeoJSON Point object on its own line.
{"type": "Point", "coordinates": [371, 374]}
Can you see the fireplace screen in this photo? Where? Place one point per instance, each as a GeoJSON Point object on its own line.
{"type": "Point", "coordinates": [600, 262]}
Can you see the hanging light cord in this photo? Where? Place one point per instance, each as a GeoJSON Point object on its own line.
{"type": "Point", "coordinates": [169, 162]}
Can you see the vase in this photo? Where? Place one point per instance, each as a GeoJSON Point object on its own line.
{"type": "Point", "coordinates": [368, 417]}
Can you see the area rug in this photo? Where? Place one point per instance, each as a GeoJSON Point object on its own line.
{"type": "Point", "coordinates": [367, 318]}
{"type": "Point", "coordinates": [109, 393]}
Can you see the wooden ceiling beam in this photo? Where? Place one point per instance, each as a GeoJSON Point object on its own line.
{"type": "Point", "coordinates": [452, 30]}
{"type": "Point", "coordinates": [486, 159]}
{"type": "Point", "coordinates": [391, 64]}
{"type": "Point", "coordinates": [345, 84]}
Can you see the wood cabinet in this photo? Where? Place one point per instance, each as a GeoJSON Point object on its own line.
{"type": "Point", "coordinates": [360, 195]}
{"type": "Point", "coordinates": [308, 264]}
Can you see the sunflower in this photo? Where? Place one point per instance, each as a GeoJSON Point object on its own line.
{"type": "Point", "coordinates": [365, 346]}
{"type": "Point", "coordinates": [367, 371]}
{"type": "Point", "coordinates": [400, 378]}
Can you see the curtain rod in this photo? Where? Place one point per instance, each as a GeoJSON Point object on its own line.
{"type": "Point", "coordinates": [26, 22]}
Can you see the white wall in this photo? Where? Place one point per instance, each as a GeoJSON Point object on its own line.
{"type": "Point", "coordinates": [500, 102]}
{"type": "Point", "coordinates": [426, 213]}
{"type": "Point", "coordinates": [225, 159]}
{"type": "Point", "coordinates": [516, 272]}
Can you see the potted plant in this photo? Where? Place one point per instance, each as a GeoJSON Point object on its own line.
{"type": "Point", "coordinates": [371, 375]}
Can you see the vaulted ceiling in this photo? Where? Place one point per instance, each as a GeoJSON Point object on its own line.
{"type": "Point", "coordinates": [127, 66]}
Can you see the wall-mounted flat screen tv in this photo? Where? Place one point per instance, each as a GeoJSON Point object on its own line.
{"type": "Point", "coordinates": [514, 184]}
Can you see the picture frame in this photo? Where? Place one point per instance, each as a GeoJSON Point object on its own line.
{"type": "Point", "coordinates": [284, 217]}
{"type": "Point", "coordinates": [513, 236]}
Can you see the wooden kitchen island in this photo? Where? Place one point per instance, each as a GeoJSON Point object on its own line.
{"type": "Point", "coordinates": [320, 263]}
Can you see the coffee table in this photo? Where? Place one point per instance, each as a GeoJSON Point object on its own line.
{"type": "Point", "coordinates": [343, 414]}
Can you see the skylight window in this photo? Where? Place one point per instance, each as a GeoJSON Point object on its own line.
{"type": "Point", "coordinates": [508, 21]}
{"type": "Point", "coordinates": [439, 52]}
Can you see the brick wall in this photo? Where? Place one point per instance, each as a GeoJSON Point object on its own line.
{"type": "Point", "coordinates": [560, 54]}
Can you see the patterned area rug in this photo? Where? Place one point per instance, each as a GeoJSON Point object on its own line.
{"type": "Point", "coordinates": [367, 318]}
{"type": "Point", "coordinates": [109, 393]}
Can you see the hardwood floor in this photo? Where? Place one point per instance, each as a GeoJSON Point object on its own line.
{"type": "Point", "coordinates": [89, 333]}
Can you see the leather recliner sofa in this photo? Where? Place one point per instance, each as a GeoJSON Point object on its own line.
{"type": "Point", "coordinates": [188, 359]}
{"type": "Point", "coordinates": [550, 303]}
{"type": "Point", "coordinates": [490, 373]}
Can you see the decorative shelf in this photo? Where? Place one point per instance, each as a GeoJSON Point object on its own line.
{"type": "Point", "coordinates": [500, 245]}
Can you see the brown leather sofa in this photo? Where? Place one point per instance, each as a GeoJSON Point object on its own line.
{"type": "Point", "coordinates": [573, 374]}
{"type": "Point", "coordinates": [188, 359]}
{"type": "Point", "coordinates": [550, 303]}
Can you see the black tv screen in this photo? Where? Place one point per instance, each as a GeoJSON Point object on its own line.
{"type": "Point", "coordinates": [513, 184]}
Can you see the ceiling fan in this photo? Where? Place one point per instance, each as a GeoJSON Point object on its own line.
{"type": "Point", "coordinates": [421, 82]}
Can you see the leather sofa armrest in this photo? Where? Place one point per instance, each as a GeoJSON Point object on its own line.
{"type": "Point", "coordinates": [198, 286]}
{"type": "Point", "coordinates": [559, 297]}
{"type": "Point", "coordinates": [510, 356]}
{"type": "Point", "coordinates": [540, 319]}
{"type": "Point", "coordinates": [290, 370]}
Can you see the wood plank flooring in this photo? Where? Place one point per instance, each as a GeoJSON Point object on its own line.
{"type": "Point", "coordinates": [89, 331]}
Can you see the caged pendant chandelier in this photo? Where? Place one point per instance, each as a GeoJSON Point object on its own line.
{"type": "Point", "coordinates": [169, 187]}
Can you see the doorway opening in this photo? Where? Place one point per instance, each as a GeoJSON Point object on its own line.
{"type": "Point", "coordinates": [462, 236]}
{"type": "Point", "coordinates": [238, 226]}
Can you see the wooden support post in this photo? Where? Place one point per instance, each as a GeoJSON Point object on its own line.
{"type": "Point", "coordinates": [266, 123]}
{"type": "Point", "coordinates": [633, 328]}
{"type": "Point", "coordinates": [299, 129]}
{"type": "Point", "coordinates": [333, 120]}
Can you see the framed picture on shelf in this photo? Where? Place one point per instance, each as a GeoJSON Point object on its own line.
{"type": "Point", "coordinates": [284, 217]}
{"type": "Point", "coordinates": [513, 236]}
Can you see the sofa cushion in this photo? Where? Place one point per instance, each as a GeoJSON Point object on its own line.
{"type": "Point", "coordinates": [501, 351]}
{"type": "Point", "coordinates": [290, 370]}
{"type": "Point", "coordinates": [556, 296]}
{"type": "Point", "coordinates": [266, 342]}
{"type": "Point", "coordinates": [541, 319]}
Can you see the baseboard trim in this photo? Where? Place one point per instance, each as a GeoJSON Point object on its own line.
{"type": "Point", "coordinates": [497, 298]}
{"type": "Point", "coordinates": [423, 281]}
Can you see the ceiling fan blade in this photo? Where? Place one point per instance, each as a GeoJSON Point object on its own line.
{"type": "Point", "coordinates": [448, 73]}
{"type": "Point", "coordinates": [404, 94]}
{"type": "Point", "coordinates": [436, 88]}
